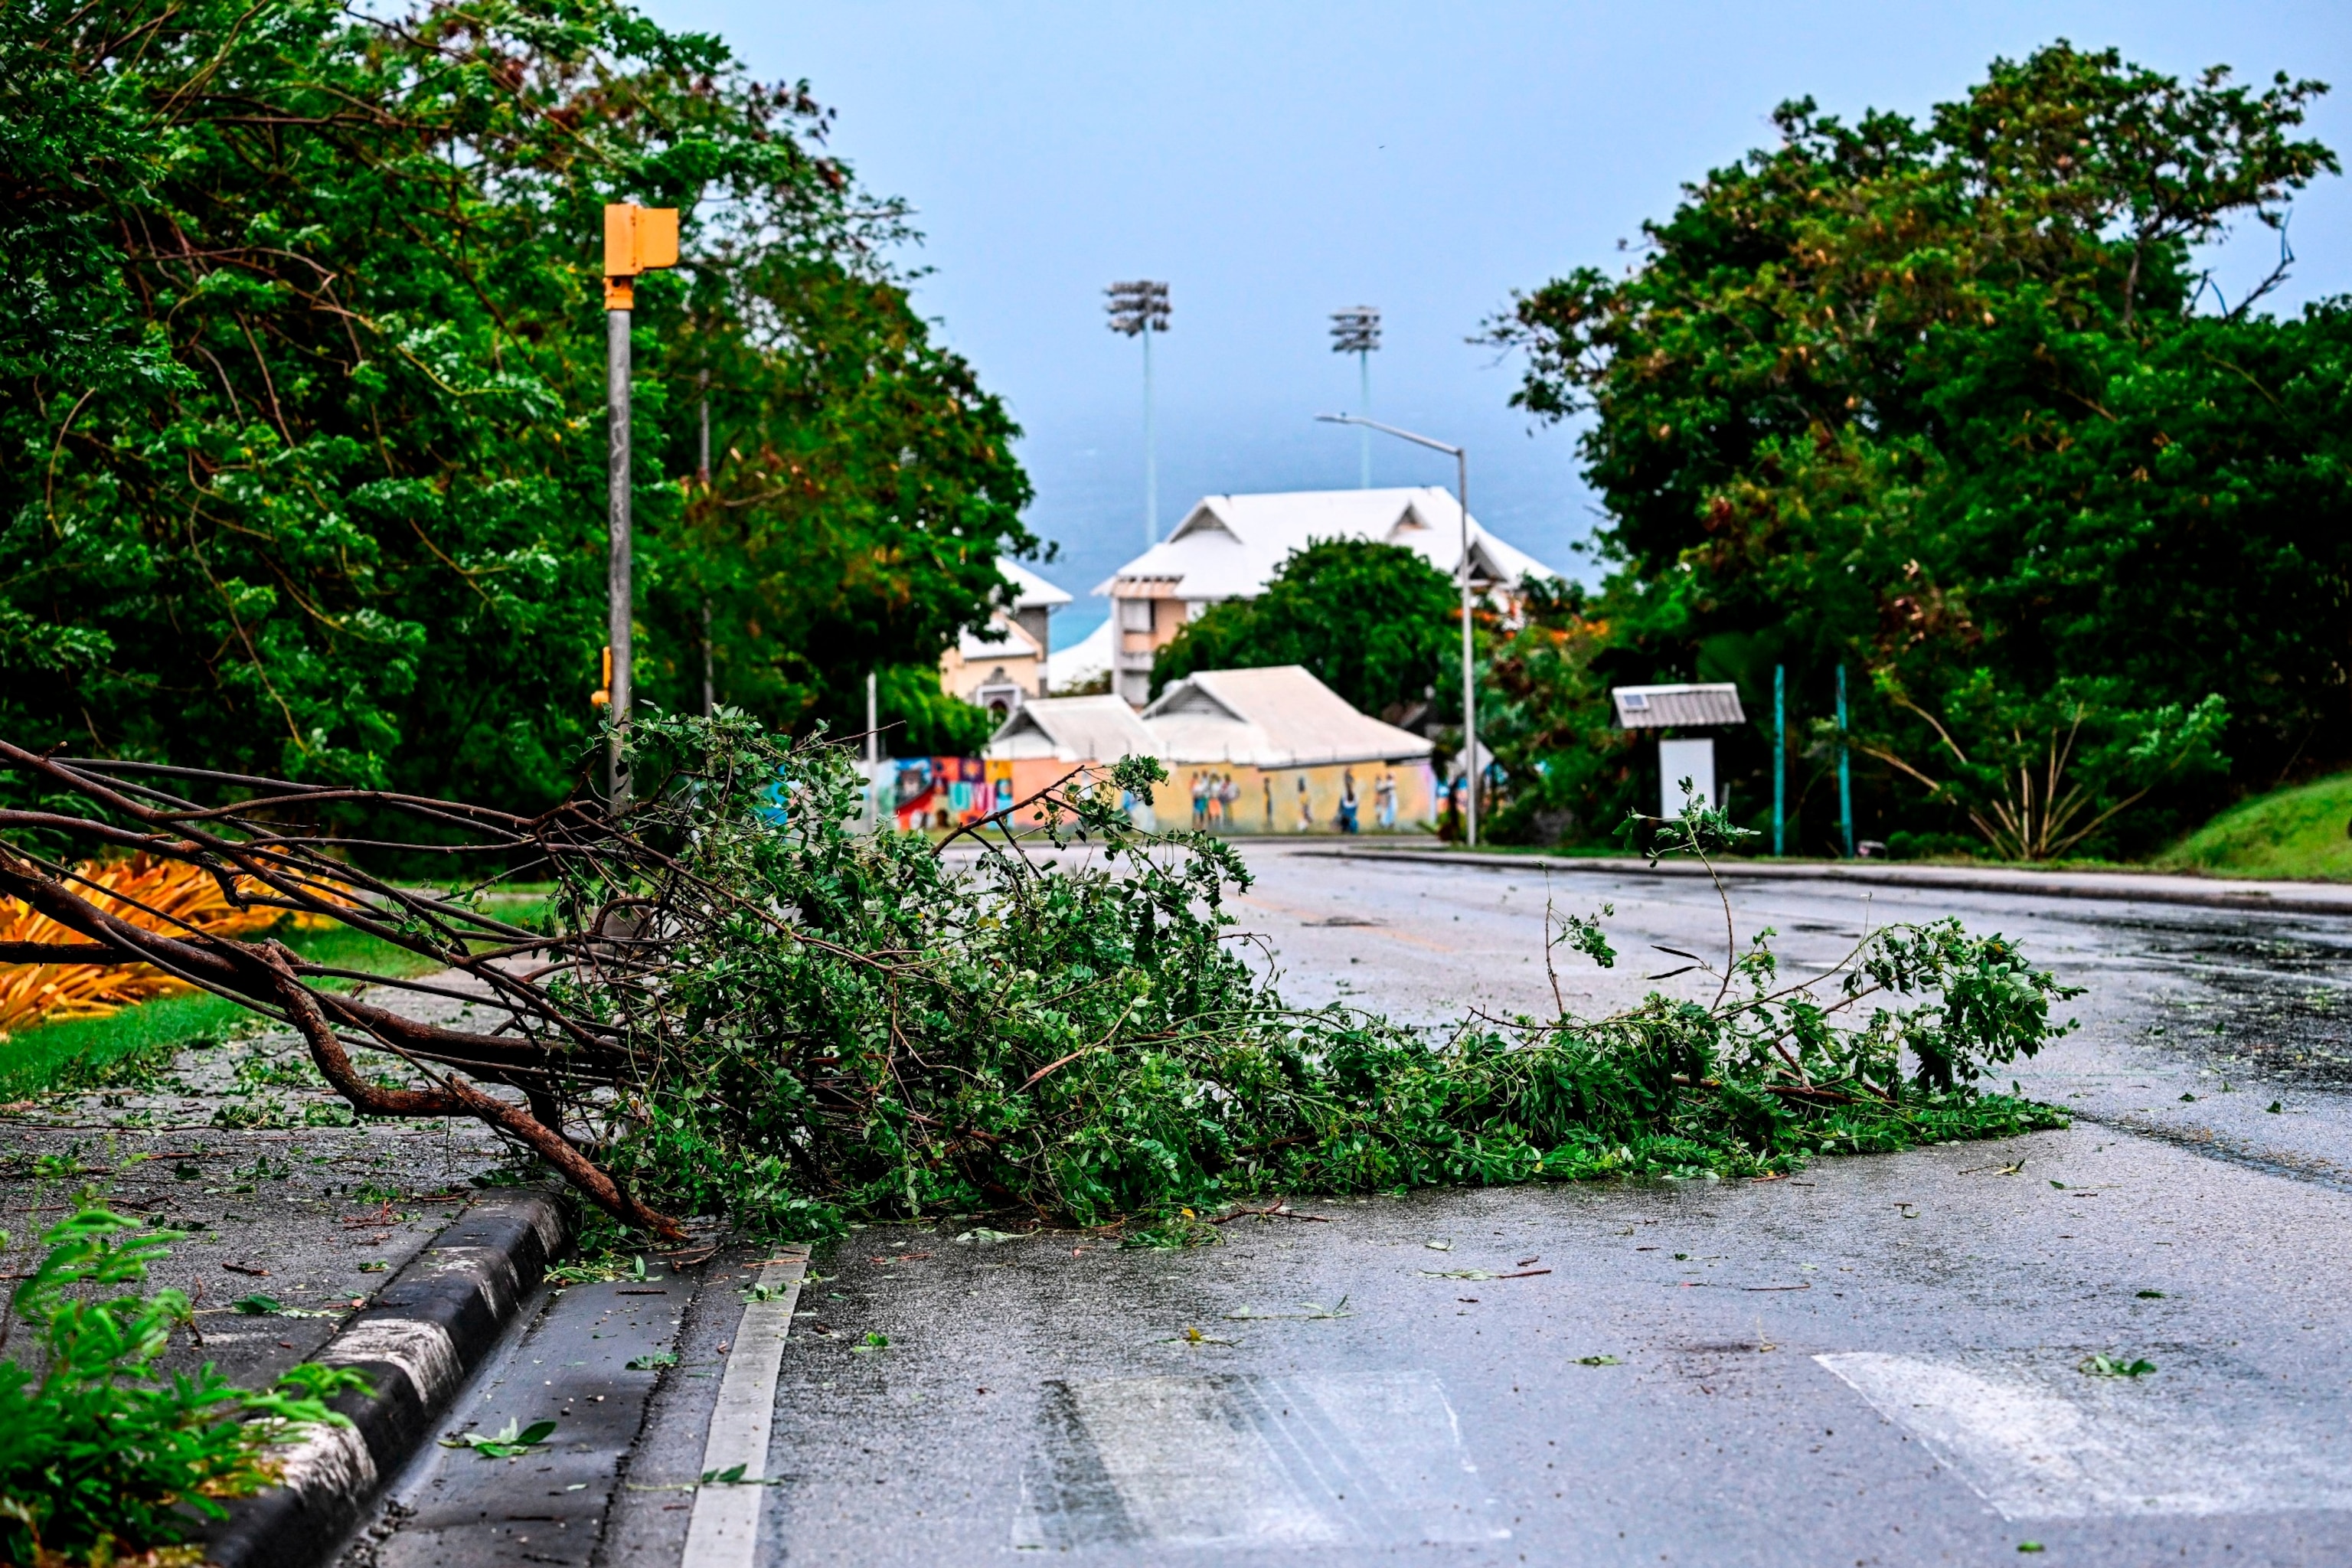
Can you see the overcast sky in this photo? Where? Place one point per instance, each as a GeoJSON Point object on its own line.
{"type": "Point", "coordinates": [1277, 160]}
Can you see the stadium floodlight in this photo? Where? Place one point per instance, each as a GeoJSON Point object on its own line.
{"type": "Point", "coordinates": [1138, 309]}
{"type": "Point", "coordinates": [1357, 330]}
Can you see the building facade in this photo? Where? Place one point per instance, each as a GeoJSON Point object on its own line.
{"type": "Point", "coordinates": [1230, 547]}
{"type": "Point", "coordinates": [1005, 666]}
{"type": "Point", "coordinates": [1247, 752]}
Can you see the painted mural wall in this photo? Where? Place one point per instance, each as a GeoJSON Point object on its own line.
{"type": "Point", "coordinates": [1387, 797]}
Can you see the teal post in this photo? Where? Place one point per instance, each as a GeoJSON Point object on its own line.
{"type": "Point", "coordinates": [1845, 777]}
{"type": "Point", "coordinates": [1779, 756]}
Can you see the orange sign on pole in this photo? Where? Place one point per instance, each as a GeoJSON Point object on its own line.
{"type": "Point", "coordinates": [637, 239]}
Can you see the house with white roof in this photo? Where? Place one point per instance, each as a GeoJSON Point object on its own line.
{"type": "Point", "coordinates": [1230, 547]}
{"type": "Point", "coordinates": [1004, 664]}
{"type": "Point", "coordinates": [1249, 751]}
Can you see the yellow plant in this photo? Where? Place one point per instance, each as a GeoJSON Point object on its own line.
{"type": "Point", "coordinates": [157, 895]}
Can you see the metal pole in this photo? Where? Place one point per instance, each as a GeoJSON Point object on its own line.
{"type": "Point", "coordinates": [709, 686]}
{"type": "Point", "coordinates": [1364, 364]}
{"type": "Point", "coordinates": [1461, 456]}
{"type": "Point", "coordinates": [872, 724]}
{"type": "Point", "coordinates": [702, 475]}
{"type": "Point", "coordinates": [1845, 778]}
{"type": "Point", "coordinates": [1780, 755]}
{"type": "Point", "coordinates": [1469, 676]}
{"type": "Point", "coordinates": [1150, 452]}
{"type": "Point", "coordinates": [619, 599]}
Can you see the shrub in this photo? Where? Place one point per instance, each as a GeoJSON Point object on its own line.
{"type": "Point", "coordinates": [102, 1454]}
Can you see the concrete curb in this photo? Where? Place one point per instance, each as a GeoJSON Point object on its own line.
{"type": "Point", "coordinates": [419, 1340]}
{"type": "Point", "coordinates": [2122, 886]}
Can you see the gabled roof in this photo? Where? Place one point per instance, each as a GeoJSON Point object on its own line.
{"type": "Point", "coordinates": [1083, 660]}
{"type": "Point", "coordinates": [980, 647]}
{"type": "Point", "coordinates": [1677, 707]}
{"type": "Point", "coordinates": [1229, 547]}
{"type": "Point", "coordinates": [1276, 718]}
{"type": "Point", "coordinates": [1029, 591]}
{"type": "Point", "coordinates": [1073, 729]}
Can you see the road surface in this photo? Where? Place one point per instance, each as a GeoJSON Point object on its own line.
{"type": "Point", "coordinates": [1881, 1361]}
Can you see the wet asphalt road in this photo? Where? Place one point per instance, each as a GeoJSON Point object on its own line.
{"type": "Point", "coordinates": [1880, 1360]}
{"type": "Point", "coordinates": [1874, 1362]}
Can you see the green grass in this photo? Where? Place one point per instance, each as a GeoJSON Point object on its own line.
{"type": "Point", "coordinates": [2300, 832]}
{"type": "Point", "coordinates": [79, 1052]}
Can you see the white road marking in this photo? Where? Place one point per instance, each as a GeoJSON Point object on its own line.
{"type": "Point", "coordinates": [724, 1529]}
{"type": "Point", "coordinates": [1247, 1461]}
{"type": "Point", "coordinates": [2037, 1439]}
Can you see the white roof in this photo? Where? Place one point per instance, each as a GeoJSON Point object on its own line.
{"type": "Point", "coordinates": [1276, 718]}
{"type": "Point", "coordinates": [1083, 660]}
{"type": "Point", "coordinates": [980, 647]}
{"type": "Point", "coordinates": [1073, 729]}
{"type": "Point", "coordinates": [1030, 591]}
{"type": "Point", "coordinates": [1229, 547]}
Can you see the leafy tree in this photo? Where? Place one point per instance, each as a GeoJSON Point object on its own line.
{"type": "Point", "coordinates": [1936, 397]}
{"type": "Point", "coordinates": [1376, 623]}
{"type": "Point", "coordinates": [303, 396]}
{"type": "Point", "coordinates": [1544, 714]}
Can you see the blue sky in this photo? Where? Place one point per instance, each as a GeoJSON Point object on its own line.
{"type": "Point", "coordinates": [1278, 160]}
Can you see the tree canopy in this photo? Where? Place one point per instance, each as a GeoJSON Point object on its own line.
{"type": "Point", "coordinates": [1950, 400]}
{"type": "Point", "coordinates": [302, 391]}
{"type": "Point", "coordinates": [1375, 622]}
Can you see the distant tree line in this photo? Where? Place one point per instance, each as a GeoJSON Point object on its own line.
{"type": "Point", "coordinates": [1951, 404]}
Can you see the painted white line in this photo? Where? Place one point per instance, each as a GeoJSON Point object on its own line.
{"type": "Point", "coordinates": [1248, 1461]}
{"type": "Point", "coordinates": [2037, 1439]}
{"type": "Point", "coordinates": [724, 1529]}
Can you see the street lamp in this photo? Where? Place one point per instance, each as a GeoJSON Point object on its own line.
{"type": "Point", "coordinates": [1140, 309]}
{"type": "Point", "coordinates": [1470, 766]}
{"type": "Point", "coordinates": [1358, 331]}
{"type": "Point", "coordinates": [637, 239]}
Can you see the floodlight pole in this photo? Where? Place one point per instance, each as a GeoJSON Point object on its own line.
{"type": "Point", "coordinates": [1140, 308]}
{"type": "Point", "coordinates": [1471, 768]}
{"type": "Point", "coordinates": [1150, 455]}
{"type": "Point", "coordinates": [1357, 330]}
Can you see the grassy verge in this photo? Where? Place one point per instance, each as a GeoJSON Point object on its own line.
{"type": "Point", "coordinates": [2305, 832]}
{"type": "Point", "coordinates": [78, 1052]}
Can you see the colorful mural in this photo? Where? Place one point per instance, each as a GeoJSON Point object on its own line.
{"type": "Point", "coordinates": [948, 792]}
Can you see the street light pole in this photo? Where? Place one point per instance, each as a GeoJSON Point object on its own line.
{"type": "Point", "coordinates": [1138, 309]}
{"type": "Point", "coordinates": [1471, 768]}
{"type": "Point", "coordinates": [1357, 330]}
{"type": "Point", "coordinates": [637, 239]}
